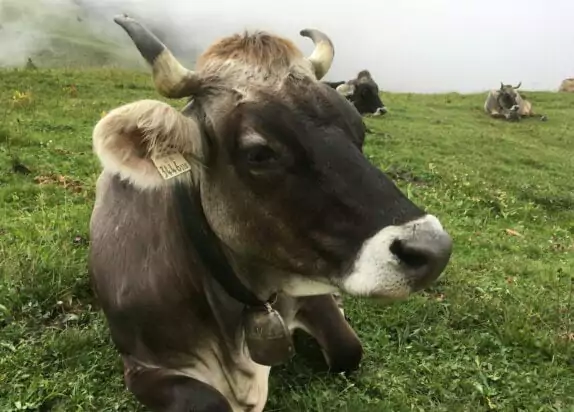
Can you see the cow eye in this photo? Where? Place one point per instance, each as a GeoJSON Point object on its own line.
{"type": "Point", "coordinates": [261, 156]}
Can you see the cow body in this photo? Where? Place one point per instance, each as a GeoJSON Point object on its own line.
{"type": "Point", "coordinates": [506, 103]}
{"type": "Point", "coordinates": [567, 85]}
{"type": "Point", "coordinates": [256, 191]}
{"type": "Point", "coordinates": [363, 92]}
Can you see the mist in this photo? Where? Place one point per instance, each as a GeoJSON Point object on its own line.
{"type": "Point", "coordinates": [419, 46]}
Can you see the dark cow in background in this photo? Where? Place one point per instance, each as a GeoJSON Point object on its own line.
{"type": "Point", "coordinates": [219, 229]}
{"type": "Point", "coordinates": [363, 92]}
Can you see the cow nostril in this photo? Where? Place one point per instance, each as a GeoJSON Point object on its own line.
{"type": "Point", "coordinates": [410, 256]}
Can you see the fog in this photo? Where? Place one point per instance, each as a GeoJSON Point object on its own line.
{"type": "Point", "coordinates": [408, 45]}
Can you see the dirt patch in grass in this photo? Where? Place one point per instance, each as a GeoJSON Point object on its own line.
{"type": "Point", "coordinates": [75, 186]}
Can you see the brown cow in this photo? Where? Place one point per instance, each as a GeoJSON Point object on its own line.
{"type": "Point", "coordinates": [220, 229]}
{"type": "Point", "coordinates": [567, 85]}
{"type": "Point", "coordinates": [506, 103]}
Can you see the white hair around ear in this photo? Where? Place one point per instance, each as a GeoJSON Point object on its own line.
{"type": "Point", "coordinates": [147, 143]}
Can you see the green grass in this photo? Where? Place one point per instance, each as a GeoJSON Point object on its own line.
{"type": "Point", "coordinates": [62, 36]}
{"type": "Point", "coordinates": [494, 334]}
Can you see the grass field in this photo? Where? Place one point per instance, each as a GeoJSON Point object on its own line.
{"type": "Point", "coordinates": [496, 333]}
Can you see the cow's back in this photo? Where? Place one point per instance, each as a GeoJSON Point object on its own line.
{"type": "Point", "coordinates": [525, 106]}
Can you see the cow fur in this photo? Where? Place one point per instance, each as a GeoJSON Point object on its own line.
{"type": "Point", "coordinates": [258, 57]}
{"type": "Point", "coordinates": [507, 103]}
{"type": "Point", "coordinates": [128, 137]}
{"type": "Point", "coordinates": [124, 140]}
{"type": "Point", "coordinates": [567, 85]}
{"type": "Point", "coordinates": [279, 178]}
{"type": "Point", "coordinates": [362, 92]}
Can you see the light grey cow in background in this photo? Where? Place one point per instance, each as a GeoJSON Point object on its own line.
{"type": "Point", "coordinates": [507, 103]}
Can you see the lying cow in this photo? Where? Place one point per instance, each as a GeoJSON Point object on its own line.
{"type": "Point", "coordinates": [363, 92]}
{"type": "Point", "coordinates": [219, 229]}
{"type": "Point", "coordinates": [506, 103]}
{"type": "Point", "coordinates": [567, 85]}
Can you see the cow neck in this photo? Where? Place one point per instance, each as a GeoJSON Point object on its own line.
{"type": "Point", "coordinates": [211, 253]}
{"type": "Point", "coordinates": [267, 337]}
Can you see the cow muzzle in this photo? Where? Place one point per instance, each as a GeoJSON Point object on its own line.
{"type": "Point", "coordinates": [380, 111]}
{"type": "Point", "coordinates": [400, 260]}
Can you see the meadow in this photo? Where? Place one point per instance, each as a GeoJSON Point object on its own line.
{"type": "Point", "coordinates": [495, 333]}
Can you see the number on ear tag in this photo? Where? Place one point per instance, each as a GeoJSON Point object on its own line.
{"type": "Point", "coordinates": [171, 165]}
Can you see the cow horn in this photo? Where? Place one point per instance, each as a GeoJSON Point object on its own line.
{"type": "Point", "coordinates": [171, 79]}
{"type": "Point", "coordinates": [517, 86]}
{"type": "Point", "coordinates": [322, 56]}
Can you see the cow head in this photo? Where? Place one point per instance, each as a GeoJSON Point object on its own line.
{"type": "Point", "coordinates": [274, 159]}
{"type": "Point", "coordinates": [508, 97]}
{"type": "Point", "coordinates": [363, 92]}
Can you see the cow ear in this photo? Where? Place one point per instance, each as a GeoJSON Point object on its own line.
{"type": "Point", "coordinates": [148, 143]}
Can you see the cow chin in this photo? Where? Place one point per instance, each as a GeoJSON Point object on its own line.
{"type": "Point", "coordinates": [399, 260]}
{"type": "Point", "coordinates": [300, 286]}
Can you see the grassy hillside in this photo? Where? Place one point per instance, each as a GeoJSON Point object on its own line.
{"type": "Point", "coordinates": [61, 34]}
{"type": "Point", "coordinates": [496, 333]}
{"type": "Point", "coordinates": [76, 34]}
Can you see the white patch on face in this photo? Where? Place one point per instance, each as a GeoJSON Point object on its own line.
{"type": "Point", "coordinates": [380, 111]}
{"type": "Point", "coordinates": [378, 272]}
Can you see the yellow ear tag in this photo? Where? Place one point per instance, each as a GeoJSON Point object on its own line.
{"type": "Point", "coordinates": [171, 165]}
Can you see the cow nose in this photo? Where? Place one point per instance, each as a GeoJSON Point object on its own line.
{"type": "Point", "coordinates": [423, 254]}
